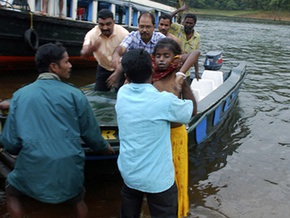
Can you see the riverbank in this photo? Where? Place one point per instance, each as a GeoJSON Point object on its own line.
{"type": "Point", "coordinates": [269, 15]}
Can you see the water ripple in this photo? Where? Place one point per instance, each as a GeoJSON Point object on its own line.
{"type": "Point", "coordinates": [235, 171]}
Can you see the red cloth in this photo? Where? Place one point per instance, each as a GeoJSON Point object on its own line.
{"type": "Point", "coordinates": [157, 74]}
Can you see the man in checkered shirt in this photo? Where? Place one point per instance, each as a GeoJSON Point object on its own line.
{"type": "Point", "coordinates": [145, 38]}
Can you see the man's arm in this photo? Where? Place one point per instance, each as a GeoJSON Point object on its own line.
{"type": "Point", "coordinates": [87, 50]}
{"type": "Point", "coordinates": [117, 54]}
{"type": "Point", "coordinates": [176, 39]}
{"type": "Point", "coordinates": [113, 80]}
{"type": "Point", "coordinates": [178, 10]}
{"type": "Point", "coordinates": [189, 60]}
{"type": "Point", "coordinates": [182, 87]}
{"type": "Point", "coordinates": [187, 94]}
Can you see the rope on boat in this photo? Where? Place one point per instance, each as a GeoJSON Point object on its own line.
{"type": "Point", "coordinates": [31, 36]}
{"type": "Point", "coordinates": [31, 20]}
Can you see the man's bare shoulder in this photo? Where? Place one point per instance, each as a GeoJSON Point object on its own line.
{"type": "Point", "coordinates": [176, 39]}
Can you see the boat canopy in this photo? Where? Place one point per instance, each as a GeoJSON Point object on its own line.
{"type": "Point", "coordinates": [126, 11]}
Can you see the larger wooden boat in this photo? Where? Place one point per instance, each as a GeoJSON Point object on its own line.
{"type": "Point", "coordinates": [23, 29]}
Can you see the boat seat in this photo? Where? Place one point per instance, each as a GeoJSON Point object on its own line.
{"type": "Point", "coordinates": [216, 76]}
{"type": "Point", "coordinates": [201, 88]}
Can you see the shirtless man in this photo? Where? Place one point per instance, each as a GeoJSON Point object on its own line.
{"type": "Point", "coordinates": [164, 25]}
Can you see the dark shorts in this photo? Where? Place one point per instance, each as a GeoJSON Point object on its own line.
{"type": "Point", "coordinates": [14, 192]}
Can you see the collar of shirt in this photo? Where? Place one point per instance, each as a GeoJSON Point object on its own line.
{"type": "Point", "coordinates": [194, 32]}
{"type": "Point", "coordinates": [154, 39]}
{"type": "Point", "coordinates": [45, 76]}
{"type": "Point", "coordinates": [141, 87]}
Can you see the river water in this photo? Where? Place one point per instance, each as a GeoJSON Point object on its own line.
{"type": "Point", "coordinates": [243, 170]}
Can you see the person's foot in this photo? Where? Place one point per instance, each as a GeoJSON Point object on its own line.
{"type": "Point", "coordinates": [41, 13]}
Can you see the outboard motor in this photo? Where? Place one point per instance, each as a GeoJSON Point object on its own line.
{"type": "Point", "coordinates": [213, 60]}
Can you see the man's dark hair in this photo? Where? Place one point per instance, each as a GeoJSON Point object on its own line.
{"type": "Point", "coordinates": [105, 13]}
{"type": "Point", "coordinates": [47, 54]}
{"type": "Point", "coordinates": [147, 13]}
{"type": "Point", "coordinates": [165, 17]}
{"type": "Point", "coordinates": [171, 44]}
{"type": "Point", "coordinates": [191, 16]}
{"type": "Point", "coordinates": [137, 65]}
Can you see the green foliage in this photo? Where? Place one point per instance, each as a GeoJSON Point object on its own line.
{"type": "Point", "coordinates": [233, 4]}
{"type": "Point", "coordinates": [279, 4]}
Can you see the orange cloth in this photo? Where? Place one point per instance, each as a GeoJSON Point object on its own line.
{"type": "Point", "coordinates": [179, 141]}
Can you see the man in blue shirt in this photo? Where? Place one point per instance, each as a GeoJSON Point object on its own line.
{"type": "Point", "coordinates": [145, 161]}
{"type": "Point", "coordinates": [46, 122]}
{"type": "Point", "coordinates": [145, 38]}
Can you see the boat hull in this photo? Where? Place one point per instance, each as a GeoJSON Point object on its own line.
{"type": "Point", "coordinates": [22, 31]}
{"type": "Point", "coordinates": [214, 108]}
{"type": "Point", "coordinates": [17, 49]}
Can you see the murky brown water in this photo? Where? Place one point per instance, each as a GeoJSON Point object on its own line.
{"type": "Point", "coordinates": [243, 170]}
{"type": "Point", "coordinates": [11, 81]}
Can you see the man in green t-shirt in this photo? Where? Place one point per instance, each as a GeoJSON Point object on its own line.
{"type": "Point", "coordinates": [190, 39]}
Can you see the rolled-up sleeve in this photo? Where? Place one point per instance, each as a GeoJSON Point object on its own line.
{"type": "Point", "coordinates": [90, 129]}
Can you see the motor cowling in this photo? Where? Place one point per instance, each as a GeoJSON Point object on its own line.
{"type": "Point", "coordinates": [213, 60]}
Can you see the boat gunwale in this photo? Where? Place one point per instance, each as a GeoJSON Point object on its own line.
{"type": "Point", "coordinates": [207, 104]}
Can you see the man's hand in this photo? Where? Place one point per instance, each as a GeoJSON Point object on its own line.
{"type": "Point", "coordinates": [88, 50]}
{"type": "Point", "coordinates": [184, 7]}
{"type": "Point", "coordinates": [110, 149]}
{"type": "Point", "coordinates": [113, 80]}
{"type": "Point", "coordinates": [197, 76]}
{"type": "Point", "coordinates": [4, 105]}
{"type": "Point", "coordinates": [116, 61]}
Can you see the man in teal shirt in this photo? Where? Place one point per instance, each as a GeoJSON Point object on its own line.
{"type": "Point", "coordinates": [46, 122]}
{"type": "Point", "coordinates": [145, 160]}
